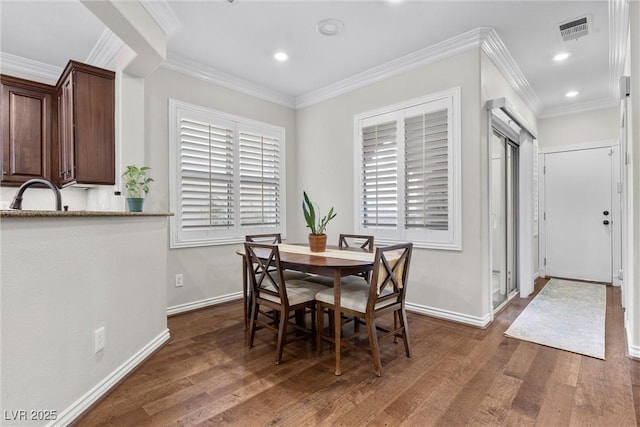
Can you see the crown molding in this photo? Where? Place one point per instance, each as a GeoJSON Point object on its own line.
{"type": "Point", "coordinates": [497, 52]}
{"type": "Point", "coordinates": [164, 16]}
{"type": "Point", "coordinates": [105, 49]}
{"type": "Point", "coordinates": [618, 32]}
{"type": "Point", "coordinates": [29, 69]}
{"type": "Point", "coordinates": [211, 75]}
{"type": "Point", "coordinates": [453, 46]}
{"type": "Point", "coordinates": [597, 104]}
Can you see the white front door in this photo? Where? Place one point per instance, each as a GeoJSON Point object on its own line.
{"type": "Point", "coordinates": [578, 214]}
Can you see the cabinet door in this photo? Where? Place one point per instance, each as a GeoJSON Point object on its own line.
{"type": "Point", "coordinates": [94, 131]}
{"type": "Point", "coordinates": [26, 115]}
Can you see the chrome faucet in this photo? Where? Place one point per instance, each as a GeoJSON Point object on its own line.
{"type": "Point", "coordinates": [17, 200]}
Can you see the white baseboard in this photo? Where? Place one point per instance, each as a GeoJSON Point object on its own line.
{"type": "Point", "coordinates": [632, 350]}
{"type": "Point", "coordinates": [85, 402]}
{"type": "Point", "coordinates": [537, 275]}
{"type": "Point", "coordinates": [181, 308]}
{"type": "Point", "coordinates": [480, 322]}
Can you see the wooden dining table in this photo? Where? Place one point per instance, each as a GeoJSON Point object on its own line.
{"type": "Point", "coordinates": [335, 262]}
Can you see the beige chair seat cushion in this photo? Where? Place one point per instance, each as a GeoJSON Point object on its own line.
{"type": "Point", "coordinates": [328, 281]}
{"type": "Point", "coordinates": [294, 275]}
{"type": "Point", "coordinates": [353, 296]}
{"type": "Point", "coordinates": [289, 275]}
{"type": "Point", "coordinates": [298, 291]}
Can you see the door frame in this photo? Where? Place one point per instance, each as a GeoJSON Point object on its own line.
{"type": "Point", "coordinates": [616, 193]}
{"type": "Point", "coordinates": [526, 139]}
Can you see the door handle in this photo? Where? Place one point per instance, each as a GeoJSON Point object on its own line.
{"type": "Point", "coordinates": [605, 222]}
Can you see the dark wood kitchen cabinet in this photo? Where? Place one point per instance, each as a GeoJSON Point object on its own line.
{"type": "Point", "coordinates": [85, 151]}
{"type": "Point", "coordinates": [27, 123]}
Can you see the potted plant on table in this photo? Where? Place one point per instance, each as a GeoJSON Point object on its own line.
{"type": "Point", "coordinates": [137, 184]}
{"type": "Point", "coordinates": [317, 225]}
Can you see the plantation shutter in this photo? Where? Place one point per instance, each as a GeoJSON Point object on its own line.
{"type": "Point", "coordinates": [379, 195]}
{"type": "Point", "coordinates": [426, 173]}
{"type": "Point", "coordinates": [260, 194]}
{"type": "Point", "coordinates": [206, 175]}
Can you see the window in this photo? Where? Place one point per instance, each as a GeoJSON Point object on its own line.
{"type": "Point", "coordinates": [408, 163]}
{"type": "Point", "coordinates": [227, 176]}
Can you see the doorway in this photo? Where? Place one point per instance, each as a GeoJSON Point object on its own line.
{"type": "Point", "coordinates": [579, 213]}
{"type": "Point", "coordinates": [504, 214]}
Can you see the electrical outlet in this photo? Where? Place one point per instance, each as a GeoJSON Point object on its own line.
{"type": "Point", "coordinates": [98, 340]}
{"type": "Point", "coordinates": [179, 280]}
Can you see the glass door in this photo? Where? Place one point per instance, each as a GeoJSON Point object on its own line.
{"type": "Point", "coordinates": [504, 161]}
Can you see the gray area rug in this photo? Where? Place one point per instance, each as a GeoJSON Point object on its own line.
{"type": "Point", "coordinates": [566, 315]}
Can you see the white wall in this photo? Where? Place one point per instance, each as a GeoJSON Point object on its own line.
{"type": "Point", "coordinates": [211, 273]}
{"type": "Point", "coordinates": [63, 278]}
{"type": "Point", "coordinates": [443, 283]}
{"type": "Point", "coordinates": [589, 126]}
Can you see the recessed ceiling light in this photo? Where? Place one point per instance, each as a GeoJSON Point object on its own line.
{"type": "Point", "coordinates": [280, 56]}
{"type": "Point", "coordinates": [329, 27]}
{"type": "Point", "coordinates": [571, 94]}
{"type": "Point", "coordinates": [561, 56]}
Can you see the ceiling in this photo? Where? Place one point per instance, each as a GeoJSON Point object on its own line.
{"type": "Point", "coordinates": [239, 39]}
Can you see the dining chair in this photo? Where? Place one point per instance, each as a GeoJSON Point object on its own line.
{"type": "Point", "coordinates": [274, 298]}
{"type": "Point", "coordinates": [383, 294]}
{"type": "Point", "coordinates": [269, 238]}
{"type": "Point", "coordinates": [356, 240]}
{"type": "Point", "coordinates": [274, 239]}
{"type": "Point", "coordinates": [348, 241]}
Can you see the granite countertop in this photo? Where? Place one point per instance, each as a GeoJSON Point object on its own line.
{"type": "Point", "coordinates": [66, 214]}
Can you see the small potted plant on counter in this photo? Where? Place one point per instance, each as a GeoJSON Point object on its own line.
{"type": "Point", "coordinates": [317, 238]}
{"type": "Point", "coordinates": [137, 184]}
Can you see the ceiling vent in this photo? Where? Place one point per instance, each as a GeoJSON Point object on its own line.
{"type": "Point", "coordinates": [576, 28]}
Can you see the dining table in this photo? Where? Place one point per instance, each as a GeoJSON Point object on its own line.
{"type": "Point", "coordinates": [334, 262]}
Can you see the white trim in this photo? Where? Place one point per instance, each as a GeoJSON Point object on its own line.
{"type": "Point", "coordinates": [633, 350]}
{"type": "Point", "coordinates": [183, 308]}
{"type": "Point", "coordinates": [485, 38]}
{"type": "Point", "coordinates": [581, 146]}
{"type": "Point", "coordinates": [618, 35]}
{"type": "Point", "coordinates": [211, 75]}
{"type": "Point", "coordinates": [164, 16]}
{"type": "Point", "coordinates": [105, 49]}
{"type": "Point", "coordinates": [448, 48]}
{"type": "Point", "coordinates": [29, 69]}
{"type": "Point", "coordinates": [583, 107]}
{"type": "Point", "coordinates": [480, 322]}
{"type": "Point", "coordinates": [497, 52]}
{"type": "Point", "coordinates": [77, 408]}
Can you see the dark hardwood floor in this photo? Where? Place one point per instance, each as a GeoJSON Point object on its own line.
{"type": "Point", "coordinates": [458, 375]}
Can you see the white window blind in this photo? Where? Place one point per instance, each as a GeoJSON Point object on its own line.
{"type": "Point", "coordinates": [380, 175]}
{"type": "Point", "coordinates": [228, 177]}
{"type": "Point", "coordinates": [408, 158]}
{"type": "Point", "coordinates": [206, 175]}
{"type": "Point", "coordinates": [427, 171]}
{"type": "Point", "coordinates": [259, 179]}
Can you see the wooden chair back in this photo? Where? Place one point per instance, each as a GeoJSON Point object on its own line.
{"type": "Point", "coordinates": [356, 240]}
{"type": "Point", "coordinates": [388, 279]}
{"type": "Point", "coordinates": [272, 238]}
{"type": "Point", "coordinates": [268, 277]}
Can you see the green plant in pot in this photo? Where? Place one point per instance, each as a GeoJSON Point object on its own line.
{"type": "Point", "coordinates": [317, 224]}
{"type": "Point", "coordinates": [136, 182]}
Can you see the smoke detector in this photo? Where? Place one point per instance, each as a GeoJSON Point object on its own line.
{"type": "Point", "coordinates": [576, 28]}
